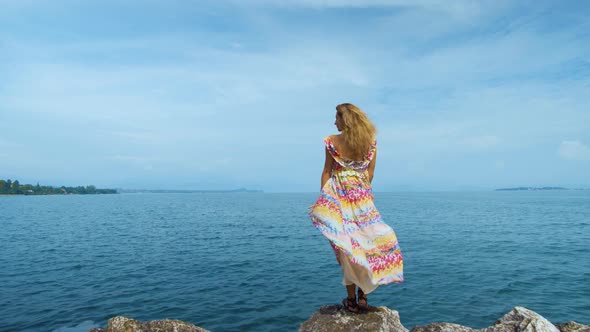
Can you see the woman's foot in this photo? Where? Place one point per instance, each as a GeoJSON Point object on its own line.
{"type": "Point", "coordinates": [350, 304]}
{"type": "Point", "coordinates": [362, 303]}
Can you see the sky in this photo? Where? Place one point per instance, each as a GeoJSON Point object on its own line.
{"type": "Point", "coordinates": [466, 95]}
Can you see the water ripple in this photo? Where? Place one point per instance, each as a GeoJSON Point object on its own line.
{"type": "Point", "coordinates": [240, 262]}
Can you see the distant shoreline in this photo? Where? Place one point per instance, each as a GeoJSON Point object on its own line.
{"type": "Point", "coordinates": [172, 191]}
{"type": "Point", "coordinates": [145, 191]}
{"type": "Point", "coordinates": [15, 188]}
{"type": "Point", "coordinates": [68, 194]}
{"type": "Point", "coordinates": [531, 188]}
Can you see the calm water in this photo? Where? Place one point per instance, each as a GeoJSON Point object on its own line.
{"type": "Point", "coordinates": [253, 262]}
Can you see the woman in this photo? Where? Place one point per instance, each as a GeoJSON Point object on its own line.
{"type": "Point", "coordinates": [365, 247]}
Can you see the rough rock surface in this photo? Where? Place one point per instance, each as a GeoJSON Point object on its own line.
{"type": "Point", "coordinates": [124, 324]}
{"type": "Point", "coordinates": [521, 319]}
{"type": "Point", "coordinates": [335, 318]}
{"type": "Point", "coordinates": [573, 327]}
{"type": "Point", "coordinates": [442, 327]}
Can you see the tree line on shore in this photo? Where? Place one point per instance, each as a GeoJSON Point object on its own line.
{"type": "Point", "coordinates": [9, 187]}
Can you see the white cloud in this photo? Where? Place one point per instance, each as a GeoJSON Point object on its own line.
{"type": "Point", "coordinates": [574, 150]}
{"type": "Point", "coordinates": [212, 94]}
{"type": "Point", "coordinates": [440, 88]}
{"type": "Point", "coordinates": [460, 8]}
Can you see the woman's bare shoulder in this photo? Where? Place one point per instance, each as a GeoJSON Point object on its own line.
{"type": "Point", "coordinates": [336, 137]}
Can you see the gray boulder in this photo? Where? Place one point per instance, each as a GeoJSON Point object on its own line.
{"type": "Point", "coordinates": [335, 318]}
{"type": "Point", "coordinates": [521, 319]}
{"type": "Point", "coordinates": [124, 324]}
{"type": "Point", "coordinates": [573, 327]}
{"type": "Point", "coordinates": [442, 327]}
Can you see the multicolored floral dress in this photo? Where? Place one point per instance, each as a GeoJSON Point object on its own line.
{"type": "Point", "coordinates": [366, 248]}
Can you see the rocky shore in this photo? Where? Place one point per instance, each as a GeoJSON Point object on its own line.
{"type": "Point", "coordinates": [334, 318]}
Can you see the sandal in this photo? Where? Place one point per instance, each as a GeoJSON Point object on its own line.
{"type": "Point", "coordinates": [363, 304]}
{"type": "Point", "coordinates": [350, 304]}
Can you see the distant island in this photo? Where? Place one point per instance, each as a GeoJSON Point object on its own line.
{"type": "Point", "coordinates": [532, 188]}
{"type": "Point", "coordinates": [9, 187]}
{"type": "Point", "coordinates": [173, 191]}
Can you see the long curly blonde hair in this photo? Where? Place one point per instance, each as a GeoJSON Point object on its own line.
{"type": "Point", "coordinates": [358, 131]}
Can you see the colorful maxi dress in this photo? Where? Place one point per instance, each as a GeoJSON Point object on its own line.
{"type": "Point", "coordinates": [366, 247]}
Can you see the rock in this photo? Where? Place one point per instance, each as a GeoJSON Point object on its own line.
{"type": "Point", "coordinates": [442, 327]}
{"type": "Point", "coordinates": [518, 319]}
{"type": "Point", "coordinates": [573, 327]}
{"type": "Point", "coordinates": [335, 318]}
{"type": "Point", "coordinates": [522, 320]}
{"type": "Point", "coordinates": [124, 324]}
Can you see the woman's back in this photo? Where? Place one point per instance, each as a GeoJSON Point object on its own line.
{"type": "Point", "coordinates": [345, 151]}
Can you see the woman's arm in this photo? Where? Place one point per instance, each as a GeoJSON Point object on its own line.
{"type": "Point", "coordinates": [327, 172]}
{"type": "Point", "coordinates": [371, 168]}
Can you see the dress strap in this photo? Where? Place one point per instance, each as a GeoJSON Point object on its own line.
{"type": "Point", "coordinates": [372, 150]}
{"type": "Point", "coordinates": [331, 148]}
{"type": "Point", "coordinates": [344, 162]}
{"type": "Point", "coordinates": [328, 143]}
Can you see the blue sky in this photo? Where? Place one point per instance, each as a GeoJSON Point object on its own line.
{"type": "Point", "coordinates": [226, 94]}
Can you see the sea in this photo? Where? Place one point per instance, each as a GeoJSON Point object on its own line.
{"type": "Point", "coordinates": [253, 261]}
